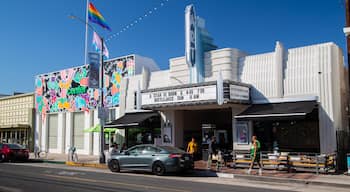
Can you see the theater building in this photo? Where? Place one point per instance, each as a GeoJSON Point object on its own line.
{"type": "Point", "coordinates": [292, 99]}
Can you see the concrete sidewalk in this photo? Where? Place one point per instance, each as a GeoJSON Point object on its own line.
{"type": "Point", "coordinates": [335, 180]}
{"type": "Point", "coordinates": [63, 158]}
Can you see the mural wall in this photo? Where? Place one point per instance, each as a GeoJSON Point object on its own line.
{"type": "Point", "coordinates": [67, 90]}
{"type": "Point", "coordinates": [115, 70]}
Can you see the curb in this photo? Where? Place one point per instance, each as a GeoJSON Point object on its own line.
{"type": "Point", "coordinates": [53, 162]}
{"type": "Point", "coordinates": [45, 161]}
{"type": "Point", "coordinates": [340, 185]}
{"type": "Point", "coordinates": [282, 180]}
{"type": "Point", "coordinates": [93, 165]}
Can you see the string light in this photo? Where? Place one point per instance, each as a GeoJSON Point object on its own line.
{"type": "Point", "coordinates": [137, 20]}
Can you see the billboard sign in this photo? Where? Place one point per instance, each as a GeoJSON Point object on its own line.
{"type": "Point", "coordinates": [190, 35]}
{"type": "Point", "coordinates": [180, 95]}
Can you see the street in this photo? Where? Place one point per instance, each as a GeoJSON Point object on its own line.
{"type": "Point", "coordinates": [21, 177]}
{"type": "Point", "coordinates": [17, 177]}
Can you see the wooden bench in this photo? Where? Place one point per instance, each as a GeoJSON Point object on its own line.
{"type": "Point", "coordinates": [241, 159]}
{"type": "Point", "coordinates": [309, 162]}
{"type": "Point", "coordinates": [278, 161]}
{"type": "Point", "coordinates": [313, 162]}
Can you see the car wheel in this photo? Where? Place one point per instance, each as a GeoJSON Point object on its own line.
{"type": "Point", "coordinates": [158, 168]}
{"type": "Point", "coordinates": [113, 165]}
{"type": "Point", "coordinates": [2, 157]}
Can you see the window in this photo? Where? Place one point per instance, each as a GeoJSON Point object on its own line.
{"type": "Point", "coordinates": [136, 150]}
{"type": "Point", "coordinates": [52, 131]}
{"type": "Point", "coordinates": [135, 100]}
{"type": "Point", "coordinates": [78, 130]}
{"type": "Point", "coordinates": [242, 132]}
{"type": "Point", "coordinates": [15, 146]}
{"type": "Point", "coordinates": [111, 114]}
{"type": "Point", "coordinates": [150, 150]}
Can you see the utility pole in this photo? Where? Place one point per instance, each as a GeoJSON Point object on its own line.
{"type": "Point", "coordinates": [343, 137]}
{"type": "Point", "coordinates": [347, 15]}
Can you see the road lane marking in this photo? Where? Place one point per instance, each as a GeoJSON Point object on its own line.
{"type": "Point", "coordinates": [116, 183]}
{"type": "Point", "coordinates": [70, 173]}
{"type": "Point", "coordinates": [9, 189]}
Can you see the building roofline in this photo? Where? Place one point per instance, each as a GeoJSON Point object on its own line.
{"type": "Point", "coordinates": [16, 96]}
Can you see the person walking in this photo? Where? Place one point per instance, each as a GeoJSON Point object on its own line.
{"type": "Point", "coordinates": [192, 147]}
{"type": "Point", "coordinates": [36, 151]}
{"type": "Point", "coordinates": [212, 150]}
{"type": "Point", "coordinates": [255, 154]}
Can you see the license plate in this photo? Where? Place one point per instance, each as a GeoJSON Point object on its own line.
{"type": "Point", "coordinates": [187, 158]}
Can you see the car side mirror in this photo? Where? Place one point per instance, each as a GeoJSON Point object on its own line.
{"type": "Point", "coordinates": [126, 153]}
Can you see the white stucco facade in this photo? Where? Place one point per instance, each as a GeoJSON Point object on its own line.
{"type": "Point", "coordinates": [314, 72]}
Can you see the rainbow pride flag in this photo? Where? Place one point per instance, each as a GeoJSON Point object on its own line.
{"type": "Point", "coordinates": [96, 17]}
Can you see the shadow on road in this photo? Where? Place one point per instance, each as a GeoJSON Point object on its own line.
{"type": "Point", "coordinates": [194, 173]}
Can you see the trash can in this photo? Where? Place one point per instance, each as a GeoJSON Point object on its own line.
{"type": "Point", "coordinates": [348, 160]}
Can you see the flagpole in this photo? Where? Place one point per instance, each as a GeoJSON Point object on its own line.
{"type": "Point", "coordinates": [86, 30]}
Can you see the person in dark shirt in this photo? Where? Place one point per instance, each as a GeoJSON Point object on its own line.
{"type": "Point", "coordinates": [212, 150]}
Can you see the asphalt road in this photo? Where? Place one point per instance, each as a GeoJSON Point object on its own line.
{"type": "Point", "coordinates": [20, 178]}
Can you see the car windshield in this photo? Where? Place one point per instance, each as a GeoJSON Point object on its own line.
{"type": "Point", "coordinates": [171, 149]}
{"type": "Point", "coordinates": [15, 146]}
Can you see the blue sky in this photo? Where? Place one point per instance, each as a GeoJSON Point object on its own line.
{"type": "Point", "coordinates": [38, 37]}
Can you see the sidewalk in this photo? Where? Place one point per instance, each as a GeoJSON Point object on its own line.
{"type": "Point", "coordinates": [62, 158]}
{"type": "Point", "coordinates": [335, 180]}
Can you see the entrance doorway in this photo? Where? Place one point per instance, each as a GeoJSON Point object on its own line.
{"type": "Point", "coordinates": [196, 124]}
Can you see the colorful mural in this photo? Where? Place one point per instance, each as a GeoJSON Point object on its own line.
{"type": "Point", "coordinates": [67, 90]}
{"type": "Point", "coordinates": [114, 71]}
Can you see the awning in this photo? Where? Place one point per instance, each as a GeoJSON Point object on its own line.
{"type": "Point", "coordinates": [132, 119]}
{"type": "Point", "coordinates": [274, 111]}
{"type": "Point", "coordinates": [97, 129]}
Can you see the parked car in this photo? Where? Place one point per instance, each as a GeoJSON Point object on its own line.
{"type": "Point", "coordinates": [13, 152]}
{"type": "Point", "coordinates": [157, 159]}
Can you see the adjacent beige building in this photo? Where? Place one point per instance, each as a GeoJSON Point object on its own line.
{"type": "Point", "coordinates": [16, 119]}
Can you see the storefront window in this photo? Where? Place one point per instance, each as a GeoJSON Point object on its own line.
{"type": "Point", "coordinates": [288, 135]}
{"type": "Point", "coordinates": [242, 133]}
{"type": "Point", "coordinates": [141, 135]}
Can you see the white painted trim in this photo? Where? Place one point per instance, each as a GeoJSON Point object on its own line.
{"type": "Point", "coordinates": [38, 124]}
{"type": "Point", "coordinates": [286, 99]}
{"type": "Point", "coordinates": [121, 125]}
{"type": "Point", "coordinates": [96, 136]}
{"type": "Point", "coordinates": [69, 131]}
{"type": "Point", "coordinates": [271, 115]}
{"type": "Point", "coordinates": [60, 136]}
{"type": "Point", "coordinates": [44, 139]}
